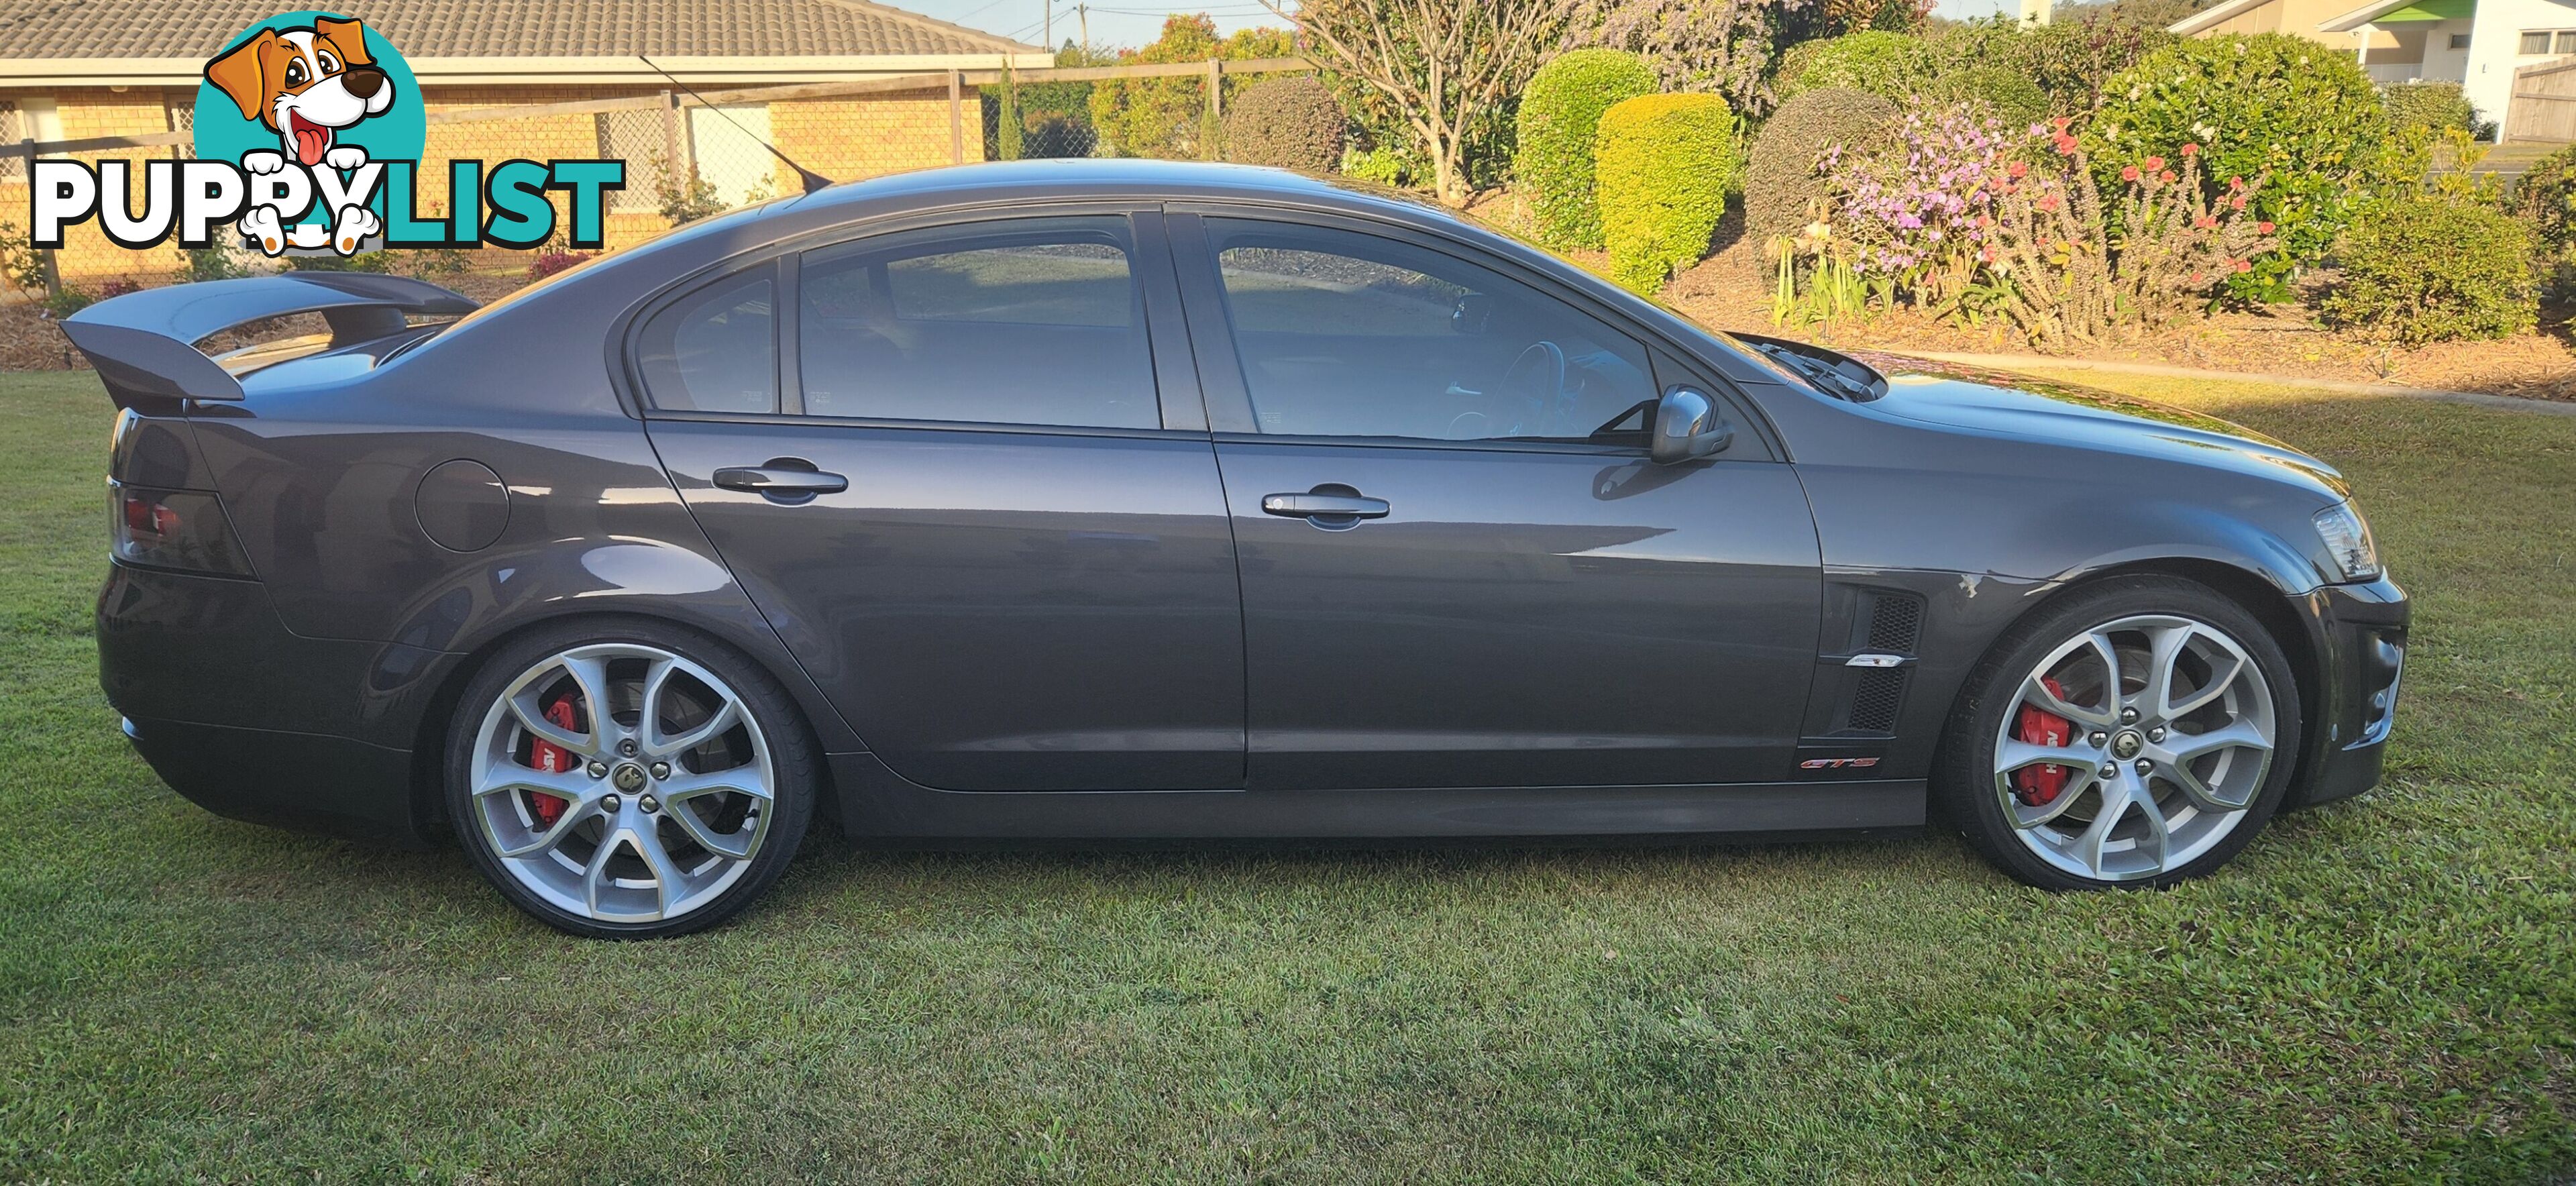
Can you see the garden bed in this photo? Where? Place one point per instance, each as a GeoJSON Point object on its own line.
{"type": "Point", "coordinates": [1732, 290]}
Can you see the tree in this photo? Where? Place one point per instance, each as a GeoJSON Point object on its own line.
{"type": "Point", "coordinates": [1445, 68]}
{"type": "Point", "coordinates": [1166, 117]}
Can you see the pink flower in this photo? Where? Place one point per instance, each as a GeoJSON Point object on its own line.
{"type": "Point", "coordinates": [2236, 203]}
{"type": "Point", "coordinates": [2191, 150]}
{"type": "Point", "coordinates": [2019, 170]}
{"type": "Point", "coordinates": [2244, 266]}
{"type": "Point", "coordinates": [2235, 183]}
{"type": "Point", "coordinates": [2065, 145]}
{"type": "Point", "coordinates": [2154, 163]}
{"type": "Point", "coordinates": [2129, 174]}
{"type": "Point", "coordinates": [2263, 227]}
{"type": "Point", "coordinates": [2167, 176]}
{"type": "Point", "coordinates": [2048, 202]}
{"type": "Point", "coordinates": [2205, 221]}
{"type": "Point", "coordinates": [2199, 278]}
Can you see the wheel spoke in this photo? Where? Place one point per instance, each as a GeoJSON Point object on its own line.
{"type": "Point", "coordinates": [2155, 837]}
{"type": "Point", "coordinates": [2011, 755]}
{"type": "Point", "coordinates": [594, 877]}
{"type": "Point", "coordinates": [2079, 779]}
{"type": "Point", "coordinates": [2219, 681]}
{"type": "Point", "coordinates": [713, 727]}
{"type": "Point", "coordinates": [681, 786]}
{"type": "Point", "coordinates": [532, 718]}
{"type": "Point", "coordinates": [2117, 799]}
{"type": "Point", "coordinates": [2199, 792]}
{"type": "Point", "coordinates": [2037, 695]}
{"type": "Point", "coordinates": [736, 845]}
{"type": "Point", "coordinates": [667, 879]}
{"type": "Point", "coordinates": [2238, 734]}
{"type": "Point", "coordinates": [510, 776]}
{"type": "Point", "coordinates": [578, 811]}
{"type": "Point", "coordinates": [2164, 651]}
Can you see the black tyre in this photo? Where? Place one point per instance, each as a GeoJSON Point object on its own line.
{"type": "Point", "coordinates": [628, 779]}
{"type": "Point", "coordinates": [2133, 732]}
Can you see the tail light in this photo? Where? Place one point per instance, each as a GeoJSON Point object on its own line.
{"type": "Point", "coordinates": [183, 529]}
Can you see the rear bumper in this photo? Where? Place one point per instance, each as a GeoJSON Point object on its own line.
{"type": "Point", "coordinates": [253, 722]}
{"type": "Point", "coordinates": [2358, 633]}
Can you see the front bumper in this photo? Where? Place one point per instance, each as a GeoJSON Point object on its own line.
{"type": "Point", "coordinates": [2357, 633]}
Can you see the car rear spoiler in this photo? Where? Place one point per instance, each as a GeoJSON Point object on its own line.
{"type": "Point", "coordinates": [144, 344]}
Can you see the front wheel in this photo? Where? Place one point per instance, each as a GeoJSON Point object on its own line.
{"type": "Point", "coordinates": [628, 780]}
{"type": "Point", "coordinates": [2134, 733]}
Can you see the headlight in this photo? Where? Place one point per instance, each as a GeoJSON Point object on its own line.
{"type": "Point", "coordinates": [2347, 538]}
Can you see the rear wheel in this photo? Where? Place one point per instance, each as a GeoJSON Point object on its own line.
{"type": "Point", "coordinates": [2137, 732]}
{"type": "Point", "coordinates": [629, 780]}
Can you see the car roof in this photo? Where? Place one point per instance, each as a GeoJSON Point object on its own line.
{"type": "Point", "coordinates": [1088, 176]}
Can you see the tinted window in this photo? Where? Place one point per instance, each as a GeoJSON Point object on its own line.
{"type": "Point", "coordinates": [1345, 334]}
{"type": "Point", "coordinates": [2533, 43]}
{"type": "Point", "coordinates": [1028, 321]}
{"type": "Point", "coordinates": [716, 350]}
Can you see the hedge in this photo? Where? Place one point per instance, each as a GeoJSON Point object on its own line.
{"type": "Point", "coordinates": [1781, 185]}
{"type": "Point", "coordinates": [2424, 269]}
{"type": "Point", "coordinates": [1288, 123]}
{"type": "Point", "coordinates": [1663, 164]}
{"type": "Point", "coordinates": [1890, 65]}
{"type": "Point", "coordinates": [1559, 117]}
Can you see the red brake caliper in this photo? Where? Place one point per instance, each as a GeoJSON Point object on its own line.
{"type": "Point", "coordinates": [2038, 786]}
{"type": "Point", "coordinates": [553, 759]}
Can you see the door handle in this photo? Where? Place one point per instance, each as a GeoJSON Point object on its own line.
{"type": "Point", "coordinates": [781, 477]}
{"type": "Point", "coordinates": [1322, 505]}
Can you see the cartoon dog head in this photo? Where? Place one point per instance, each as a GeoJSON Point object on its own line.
{"type": "Point", "coordinates": [304, 83]}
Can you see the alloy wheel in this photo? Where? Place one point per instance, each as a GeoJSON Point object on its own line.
{"type": "Point", "coordinates": [622, 782]}
{"type": "Point", "coordinates": [2134, 747]}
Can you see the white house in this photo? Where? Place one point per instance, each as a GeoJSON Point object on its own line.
{"type": "Point", "coordinates": [2476, 43]}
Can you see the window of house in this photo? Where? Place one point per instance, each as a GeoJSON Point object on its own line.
{"type": "Point", "coordinates": [2533, 44]}
{"type": "Point", "coordinates": [2459, 41]}
{"type": "Point", "coordinates": [2567, 41]}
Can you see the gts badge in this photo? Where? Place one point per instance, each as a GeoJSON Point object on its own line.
{"type": "Point", "coordinates": [1817, 764]}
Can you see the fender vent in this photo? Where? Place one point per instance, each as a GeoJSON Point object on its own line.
{"type": "Point", "coordinates": [1895, 620]}
{"type": "Point", "coordinates": [1875, 698]}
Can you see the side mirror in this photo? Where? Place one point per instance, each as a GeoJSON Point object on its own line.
{"type": "Point", "coordinates": [1471, 313]}
{"type": "Point", "coordinates": [1687, 426]}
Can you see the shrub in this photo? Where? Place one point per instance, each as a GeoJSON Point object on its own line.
{"type": "Point", "coordinates": [364, 261]}
{"type": "Point", "coordinates": [2269, 104]}
{"type": "Point", "coordinates": [1390, 167]}
{"type": "Point", "coordinates": [1916, 210]}
{"type": "Point", "coordinates": [2422, 269]}
{"type": "Point", "coordinates": [1663, 164]}
{"type": "Point", "coordinates": [548, 263]}
{"type": "Point", "coordinates": [1560, 115]}
{"type": "Point", "coordinates": [2430, 106]}
{"type": "Point", "coordinates": [67, 300]}
{"type": "Point", "coordinates": [1167, 117]}
{"type": "Point", "coordinates": [1889, 65]}
{"type": "Point", "coordinates": [2006, 94]}
{"type": "Point", "coordinates": [1781, 182]}
{"type": "Point", "coordinates": [2545, 199]}
{"type": "Point", "coordinates": [1289, 123]}
{"type": "Point", "coordinates": [2067, 62]}
{"type": "Point", "coordinates": [2066, 266]}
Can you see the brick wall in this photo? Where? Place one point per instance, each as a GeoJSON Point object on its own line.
{"type": "Point", "coordinates": [844, 139]}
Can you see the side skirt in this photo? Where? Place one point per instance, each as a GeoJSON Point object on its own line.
{"type": "Point", "coordinates": [876, 803]}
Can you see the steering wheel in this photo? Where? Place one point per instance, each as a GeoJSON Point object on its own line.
{"type": "Point", "coordinates": [1537, 378]}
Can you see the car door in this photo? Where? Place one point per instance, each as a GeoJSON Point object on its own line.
{"type": "Point", "coordinates": [1459, 566]}
{"type": "Point", "coordinates": [946, 464]}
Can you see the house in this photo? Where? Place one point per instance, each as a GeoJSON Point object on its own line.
{"type": "Point", "coordinates": [73, 69]}
{"type": "Point", "coordinates": [2476, 43]}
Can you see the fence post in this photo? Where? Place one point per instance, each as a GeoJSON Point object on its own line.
{"type": "Point", "coordinates": [1214, 125]}
{"type": "Point", "coordinates": [676, 167]}
{"type": "Point", "coordinates": [956, 117]}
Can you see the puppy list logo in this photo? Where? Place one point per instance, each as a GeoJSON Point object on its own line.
{"type": "Point", "coordinates": [309, 134]}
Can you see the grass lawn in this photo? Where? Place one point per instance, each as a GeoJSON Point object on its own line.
{"type": "Point", "coordinates": [2380, 989]}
